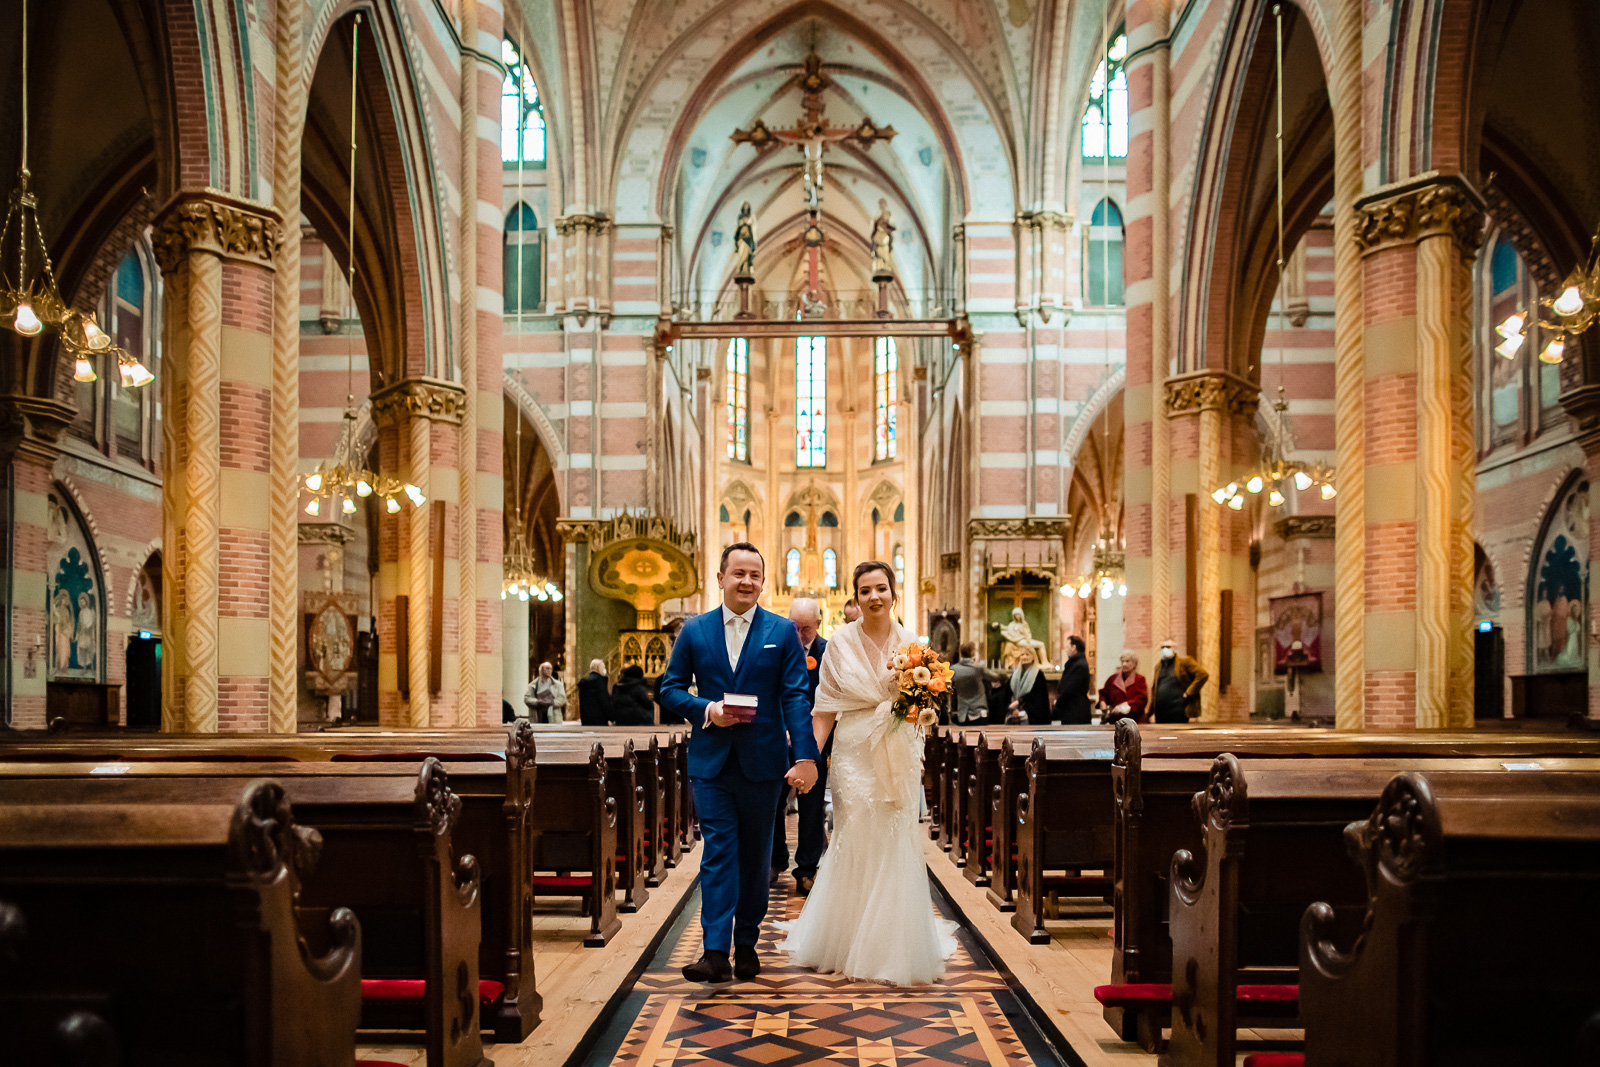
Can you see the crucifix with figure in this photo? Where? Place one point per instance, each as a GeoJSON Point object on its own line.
{"type": "Point", "coordinates": [812, 135]}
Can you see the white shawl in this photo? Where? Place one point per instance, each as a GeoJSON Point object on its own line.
{"type": "Point", "coordinates": [856, 679]}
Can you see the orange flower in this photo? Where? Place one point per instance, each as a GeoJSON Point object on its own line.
{"type": "Point", "coordinates": [811, 663]}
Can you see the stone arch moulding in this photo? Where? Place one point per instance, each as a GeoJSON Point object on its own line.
{"type": "Point", "coordinates": [400, 58]}
{"type": "Point", "coordinates": [151, 553]}
{"type": "Point", "coordinates": [667, 158]}
{"type": "Point", "coordinates": [63, 613]}
{"type": "Point", "coordinates": [1093, 408]}
{"type": "Point", "coordinates": [1218, 235]}
{"type": "Point", "coordinates": [542, 427]}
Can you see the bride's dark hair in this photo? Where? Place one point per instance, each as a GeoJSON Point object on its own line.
{"type": "Point", "coordinates": [867, 568]}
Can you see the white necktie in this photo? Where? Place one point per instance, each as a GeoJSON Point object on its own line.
{"type": "Point", "coordinates": [736, 627]}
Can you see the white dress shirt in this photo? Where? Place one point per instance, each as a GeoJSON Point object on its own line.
{"type": "Point", "coordinates": [736, 628]}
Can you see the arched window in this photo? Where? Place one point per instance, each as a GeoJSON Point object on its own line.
{"type": "Point", "coordinates": [830, 521]}
{"type": "Point", "coordinates": [811, 402]}
{"type": "Point", "coordinates": [885, 378]}
{"type": "Point", "coordinates": [114, 415]}
{"type": "Point", "coordinates": [521, 113]}
{"type": "Point", "coordinates": [739, 399]}
{"type": "Point", "coordinates": [830, 568]}
{"type": "Point", "coordinates": [524, 261]}
{"type": "Point", "coordinates": [793, 519]}
{"type": "Point", "coordinates": [1105, 120]}
{"type": "Point", "coordinates": [791, 568]}
{"type": "Point", "coordinates": [1102, 256]}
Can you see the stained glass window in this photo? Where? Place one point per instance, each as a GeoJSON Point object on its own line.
{"type": "Point", "coordinates": [521, 113]}
{"type": "Point", "coordinates": [1108, 97]}
{"type": "Point", "coordinates": [830, 568]}
{"type": "Point", "coordinates": [1102, 254]}
{"type": "Point", "coordinates": [524, 261]}
{"type": "Point", "coordinates": [885, 377]}
{"type": "Point", "coordinates": [811, 402]}
{"type": "Point", "coordinates": [739, 399]}
{"type": "Point", "coordinates": [791, 567]}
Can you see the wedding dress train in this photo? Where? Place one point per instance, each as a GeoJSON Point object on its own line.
{"type": "Point", "coordinates": [870, 913]}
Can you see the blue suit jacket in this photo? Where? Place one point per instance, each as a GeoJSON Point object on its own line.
{"type": "Point", "coordinates": [772, 668]}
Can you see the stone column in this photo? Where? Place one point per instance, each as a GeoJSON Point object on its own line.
{"type": "Point", "coordinates": [1418, 239]}
{"type": "Point", "coordinates": [418, 419]}
{"type": "Point", "coordinates": [218, 505]}
{"type": "Point", "coordinates": [514, 651]}
{"type": "Point", "coordinates": [1224, 405]}
{"type": "Point", "coordinates": [283, 609]}
{"type": "Point", "coordinates": [29, 429]}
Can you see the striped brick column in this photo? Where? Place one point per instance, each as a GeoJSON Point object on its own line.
{"type": "Point", "coordinates": [221, 252]}
{"type": "Point", "coordinates": [419, 423]}
{"type": "Point", "coordinates": [1417, 240]}
{"type": "Point", "coordinates": [1213, 414]}
{"type": "Point", "coordinates": [28, 452]}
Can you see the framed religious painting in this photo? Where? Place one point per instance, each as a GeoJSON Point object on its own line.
{"type": "Point", "coordinates": [1558, 607]}
{"type": "Point", "coordinates": [1296, 618]}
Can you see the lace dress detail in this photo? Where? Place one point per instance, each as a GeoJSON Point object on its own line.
{"type": "Point", "coordinates": [870, 913]}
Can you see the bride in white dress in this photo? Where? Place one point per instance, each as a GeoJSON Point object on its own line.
{"type": "Point", "coordinates": [870, 914]}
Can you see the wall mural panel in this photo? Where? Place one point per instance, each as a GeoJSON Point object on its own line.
{"type": "Point", "coordinates": [76, 608]}
{"type": "Point", "coordinates": [1560, 580]}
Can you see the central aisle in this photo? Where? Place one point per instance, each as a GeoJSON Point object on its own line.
{"type": "Point", "coordinates": [788, 1016]}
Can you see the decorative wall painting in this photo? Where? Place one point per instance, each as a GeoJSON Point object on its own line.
{"type": "Point", "coordinates": [1296, 618]}
{"type": "Point", "coordinates": [75, 605]}
{"type": "Point", "coordinates": [1560, 601]}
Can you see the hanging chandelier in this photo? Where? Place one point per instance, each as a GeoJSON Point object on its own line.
{"type": "Point", "coordinates": [1109, 575]}
{"type": "Point", "coordinates": [30, 302]}
{"type": "Point", "coordinates": [1575, 309]}
{"type": "Point", "coordinates": [339, 482]}
{"type": "Point", "coordinates": [1276, 471]}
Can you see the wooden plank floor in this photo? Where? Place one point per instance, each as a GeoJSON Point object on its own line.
{"type": "Point", "coordinates": [576, 982]}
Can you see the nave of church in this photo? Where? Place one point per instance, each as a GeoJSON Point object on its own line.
{"type": "Point", "coordinates": [403, 403]}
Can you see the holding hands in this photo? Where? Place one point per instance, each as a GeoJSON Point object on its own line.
{"type": "Point", "coordinates": [802, 776]}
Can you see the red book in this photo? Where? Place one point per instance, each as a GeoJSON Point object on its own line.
{"type": "Point", "coordinates": [738, 705]}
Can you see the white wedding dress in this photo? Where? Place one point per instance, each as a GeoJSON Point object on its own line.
{"type": "Point", "coordinates": [870, 913]}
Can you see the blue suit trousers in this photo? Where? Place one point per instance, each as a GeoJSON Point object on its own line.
{"type": "Point", "coordinates": [736, 824]}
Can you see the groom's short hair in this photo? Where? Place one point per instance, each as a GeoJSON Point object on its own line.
{"type": "Point", "coordinates": [740, 546]}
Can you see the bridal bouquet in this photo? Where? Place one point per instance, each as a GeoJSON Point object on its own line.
{"type": "Point", "coordinates": [922, 678]}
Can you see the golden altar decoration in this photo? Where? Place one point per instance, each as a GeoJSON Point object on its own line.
{"type": "Point", "coordinates": [645, 560]}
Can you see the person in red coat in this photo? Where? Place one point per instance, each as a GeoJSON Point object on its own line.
{"type": "Point", "coordinates": [1125, 694]}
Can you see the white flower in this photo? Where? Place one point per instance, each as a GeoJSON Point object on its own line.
{"type": "Point", "coordinates": [901, 661]}
{"type": "Point", "coordinates": [929, 717]}
{"type": "Point", "coordinates": [921, 676]}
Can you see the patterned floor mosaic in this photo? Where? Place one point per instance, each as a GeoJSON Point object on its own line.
{"type": "Point", "coordinates": [788, 1016]}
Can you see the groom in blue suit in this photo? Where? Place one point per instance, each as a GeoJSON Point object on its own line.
{"type": "Point", "coordinates": [737, 769]}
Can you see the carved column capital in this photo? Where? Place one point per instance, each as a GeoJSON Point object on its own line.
{"type": "Point", "coordinates": [580, 222]}
{"type": "Point", "coordinates": [210, 221]}
{"type": "Point", "coordinates": [576, 531]}
{"type": "Point", "coordinates": [428, 398]}
{"type": "Point", "coordinates": [1211, 390]}
{"type": "Point", "coordinates": [1429, 205]}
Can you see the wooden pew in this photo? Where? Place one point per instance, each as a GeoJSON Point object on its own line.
{"type": "Point", "coordinates": [169, 931]}
{"type": "Point", "coordinates": [623, 786]}
{"type": "Point", "coordinates": [574, 829]}
{"type": "Point", "coordinates": [1154, 780]}
{"type": "Point", "coordinates": [1478, 940]}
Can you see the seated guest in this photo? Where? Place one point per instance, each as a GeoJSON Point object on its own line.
{"type": "Point", "coordinates": [546, 697]}
{"type": "Point", "coordinates": [630, 700]}
{"type": "Point", "coordinates": [1072, 692]}
{"type": "Point", "coordinates": [968, 687]}
{"type": "Point", "coordinates": [1125, 694]}
{"type": "Point", "coordinates": [594, 698]}
{"type": "Point", "coordinates": [507, 712]}
{"type": "Point", "coordinates": [852, 610]}
{"type": "Point", "coordinates": [1030, 696]}
{"type": "Point", "coordinates": [1175, 697]}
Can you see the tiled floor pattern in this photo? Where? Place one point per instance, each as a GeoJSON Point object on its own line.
{"type": "Point", "coordinates": [790, 1015]}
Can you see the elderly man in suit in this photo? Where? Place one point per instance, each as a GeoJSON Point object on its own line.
{"type": "Point", "coordinates": [738, 763]}
{"type": "Point", "coordinates": [812, 838]}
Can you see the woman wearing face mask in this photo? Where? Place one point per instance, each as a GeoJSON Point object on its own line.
{"type": "Point", "coordinates": [1124, 695]}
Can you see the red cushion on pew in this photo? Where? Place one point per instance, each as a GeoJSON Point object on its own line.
{"type": "Point", "coordinates": [393, 989]}
{"type": "Point", "coordinates": [561, 881]}
{"type": "Point", "coordinates": [1143, 994]}
{"type": "Point", "coordinates": [417, 757]}
{"type": "Point", "coordinates": [1275, 1059]}
{"type": "Point", "coordinates": [378, 1063]}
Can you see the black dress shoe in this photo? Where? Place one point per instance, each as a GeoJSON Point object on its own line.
{"type": "Point", "coordinates": [746, 964]}
{"type": "Point", "coordinates": [803, 884]}
{"type": "Point", "coordinates": [711, 967]}
{"type": "Point", "coordinates": [773, 876]}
